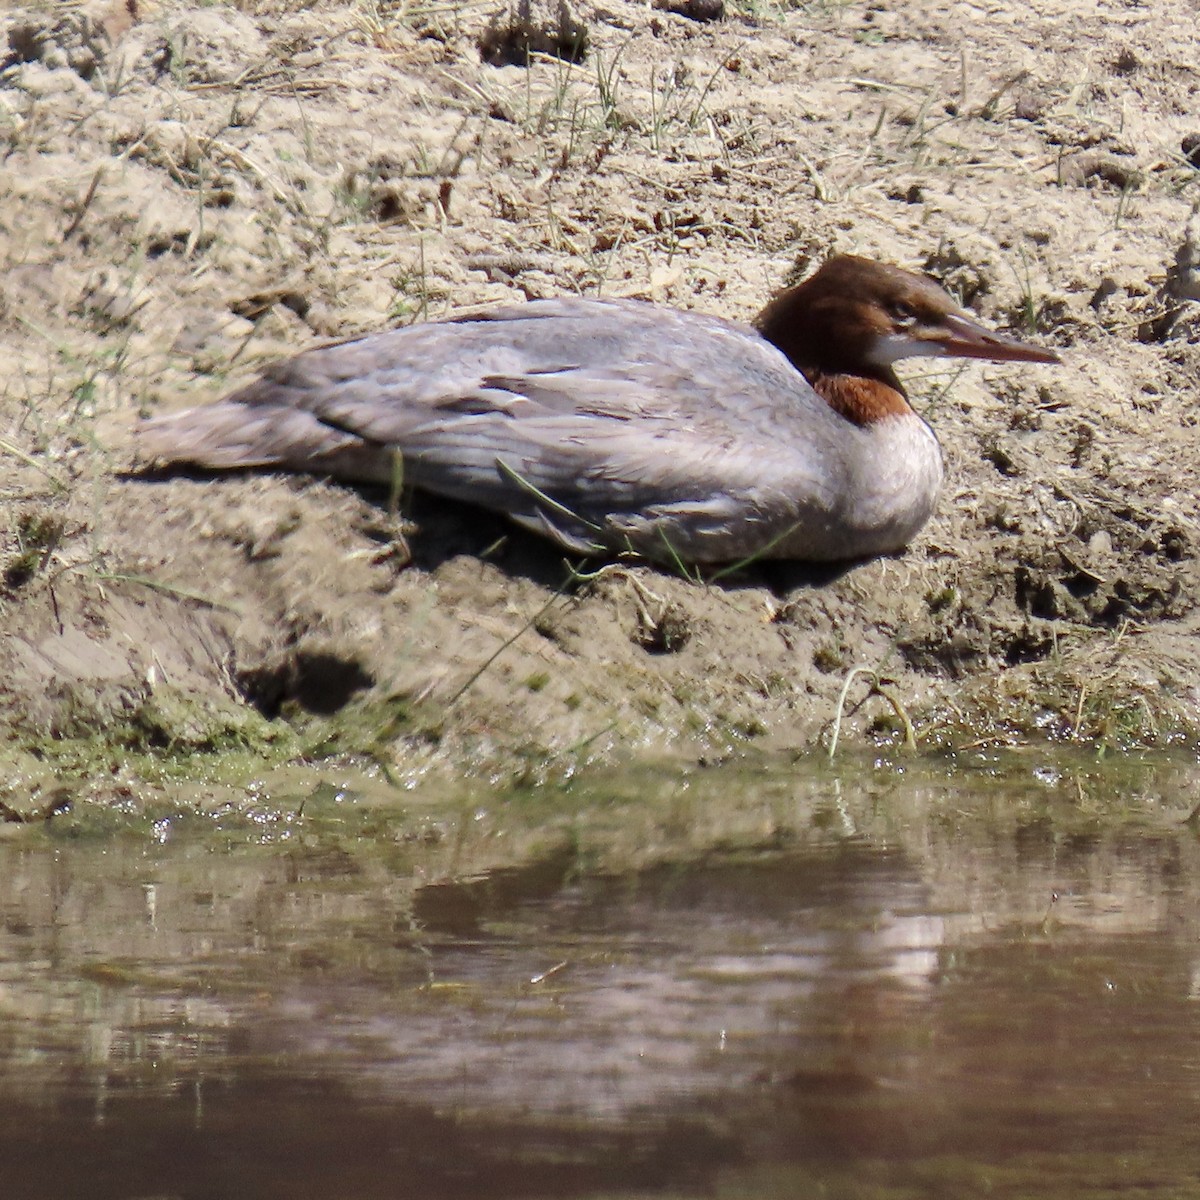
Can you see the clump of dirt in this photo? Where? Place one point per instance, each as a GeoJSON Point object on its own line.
{"type": "Point", "coordinates": [531, 27]}
{"type": "Point", "coordinates": [192, 191]}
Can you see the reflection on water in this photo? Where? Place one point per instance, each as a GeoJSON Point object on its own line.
{"type": "Point", "coordinates": [725, 981]}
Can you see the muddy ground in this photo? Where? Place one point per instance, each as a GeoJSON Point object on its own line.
{"type": "Point", "coordinates": [188, 191]}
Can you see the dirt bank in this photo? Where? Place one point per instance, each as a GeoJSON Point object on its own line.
{"type": "Point", "coordinates": [188, 191]}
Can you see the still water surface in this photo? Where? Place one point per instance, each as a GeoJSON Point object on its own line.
{"type": "Point", "coordinates": [973, 979]}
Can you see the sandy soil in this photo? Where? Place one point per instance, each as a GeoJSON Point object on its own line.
{"type": "Point", "coordinates": [188, 191]}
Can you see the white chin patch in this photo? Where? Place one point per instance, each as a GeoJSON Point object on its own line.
{"type": "Point", "coordinates": [894, 346]}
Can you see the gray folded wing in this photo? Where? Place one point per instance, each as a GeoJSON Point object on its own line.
{"type": "Point", "coordinates": [597, 422]}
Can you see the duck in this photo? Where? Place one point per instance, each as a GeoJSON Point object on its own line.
{"type": "Point", "coordinates": [616, 425]}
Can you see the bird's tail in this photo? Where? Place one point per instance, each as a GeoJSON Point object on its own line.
{"type": "Point", "coordinates": [236, 436]}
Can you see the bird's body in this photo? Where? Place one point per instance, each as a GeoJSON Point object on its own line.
{"type": "Point", "coordinates": [607, 425]}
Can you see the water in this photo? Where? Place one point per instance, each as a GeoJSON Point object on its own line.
{"type": "Point", "coordinates": [974, 979]}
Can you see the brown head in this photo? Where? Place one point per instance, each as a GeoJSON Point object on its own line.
{"type": "Point", "coordinates": [845, 326]}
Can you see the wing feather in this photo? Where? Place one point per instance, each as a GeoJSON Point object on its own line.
{"type": "Point", "coordinates": [644, 422]}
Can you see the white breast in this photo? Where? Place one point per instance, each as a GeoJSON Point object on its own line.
{"type": "Point", "coordinates": [894, 484]}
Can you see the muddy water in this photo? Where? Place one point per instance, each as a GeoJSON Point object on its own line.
{"type": "Point", "coordinates": [966, 979]}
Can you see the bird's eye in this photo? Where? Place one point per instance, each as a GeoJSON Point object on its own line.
{"type": "Point", "coordinates": [903, 312]}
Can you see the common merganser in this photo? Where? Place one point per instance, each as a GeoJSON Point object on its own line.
{"type": "Point", "coordinates": [613, 425]}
